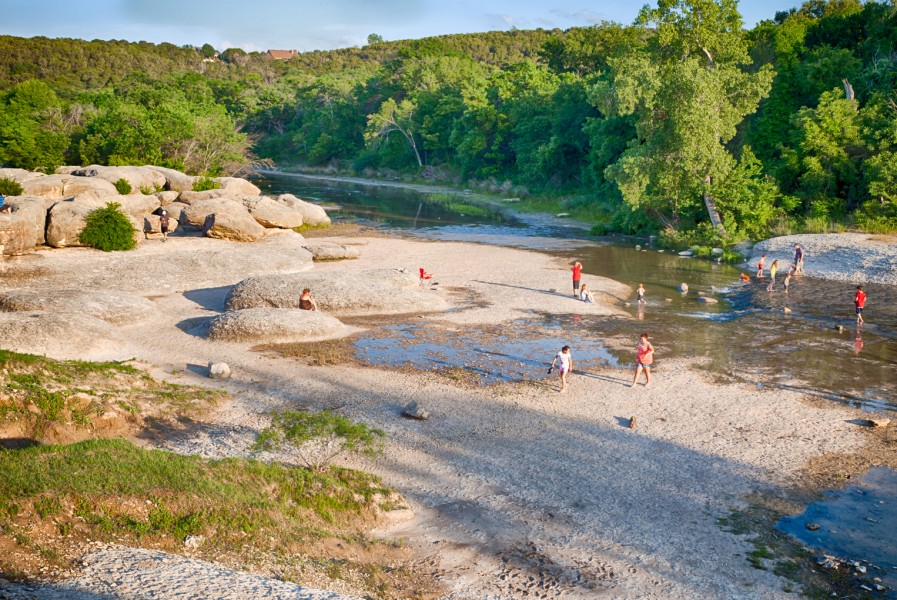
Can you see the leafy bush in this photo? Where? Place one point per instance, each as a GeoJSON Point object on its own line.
{"type": "Point", "coordinates": [107, 229]}
{"type": "Point", "coordinates": [123, 187]}
{"type": "Point", "coordinates": [205, 183]}
{"type": "Point", "coordinates": [10, 187]}
{"type": "Point", "coordinates": [296, 429]}
{"type": "Point", "coordinates": [878, 224]}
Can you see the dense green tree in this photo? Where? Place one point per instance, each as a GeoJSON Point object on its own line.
{"type": "Point", "coordinates": [33, 127]}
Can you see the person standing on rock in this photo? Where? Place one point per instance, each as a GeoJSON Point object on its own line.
{"type": "Point", "coordinates": [798, 259]}
{"type": "Point", "coordinates": [306, 302]}
{"type": "Point", "coordinates": [644, 358]}
{"type": "Point", "coordinates": [860, 302]}
{"type": "Point", "coordinates": [566, 365]}
{"type": "Point", "coordinates": [163, 224]}
{"type": "Point", "coordinates": [577, 277]}
{"type": "Point", "coordinates": [772, 275]}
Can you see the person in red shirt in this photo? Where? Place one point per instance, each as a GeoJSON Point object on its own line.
{"type": "Point", "coordinates": [860, 302]}
{"type": "Point", "coordinates": [577, 277]}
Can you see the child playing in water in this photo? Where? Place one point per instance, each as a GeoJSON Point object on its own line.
{"type": "Point", "coordinates": [860, 302]}
{"type": "Point", "coordinates": [566, 365]}
{"type": "Point", "coordinates": [640, 293]}
{"type": "Point", "coordinates": [644, 356]}
{"type": "Point", "coordinates": [787, 280]}
{"type": "Point", "coordinates": [772, 275]}
{"type": "Point", "coordinates": [760, 266]}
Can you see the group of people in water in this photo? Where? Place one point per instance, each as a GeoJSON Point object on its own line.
{"type": "Point", "coordinates": [645, 350]}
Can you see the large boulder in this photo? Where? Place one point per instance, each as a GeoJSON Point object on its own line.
{"type": "Point", "coordinates": [118, 308]}
{"type": "Point", "coordinates": [238, 185]}
{"type": "Point", "coordinates": [195, 214]}
{"type": "Point", "coordinates": [175, 180]}
{"type": "Point", "coordinates": [137, 205]}
{"type": "Point", "coordinates": [192, 197]}
{"type": "Point", "coordinates": [277, 326]}
{"type": "Point", "coordinates": [233, 225]}
{"type": "Point", "coordinates": [269, 213]}
{"type": "Point", "coordinates": [323, 251]}
{"type": "Point", "coordinates": [65, 223]}
{"type": "Point", "coordinates": [142, 179]}
{"type": "Point", "coordinates": [69, 335]}
{"type": "Point", "coordinates": [59, 187]}
{"type": "Point", "coordinates": [20, 175]}
{"type": "Point", "coordinates": [380, 291]}
{"type": "Point", "coordinates": [23, 228]}
{"type": "Point", "coordinates": [312, 214]}
{"type": "Point", "coordinates": [176, 210]}
{"type": "Point", "coordinates": [167, 197]}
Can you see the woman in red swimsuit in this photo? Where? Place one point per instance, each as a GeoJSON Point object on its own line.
{"type": "Point", "coordinates": [644, 356]}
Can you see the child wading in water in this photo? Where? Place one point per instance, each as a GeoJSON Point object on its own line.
{"type": "Point", "coordinates": [640, 293]}
{"type": "Point", "coordinates": [860, 302]}
{"type": "Point", "coordinates": [772, 275]}
{"type": "Point", "coordinates": [644, 356]}
{"type": "Point", "coordinates": [760, 266]}
{"type": "Point", "coordinates": [566, 360]}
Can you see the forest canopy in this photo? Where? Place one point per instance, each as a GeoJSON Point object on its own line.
{"type": "Point", "coordinates": [683, 121]}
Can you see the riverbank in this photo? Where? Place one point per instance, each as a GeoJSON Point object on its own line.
{"type": "Point", "coordinates": [517, 490]}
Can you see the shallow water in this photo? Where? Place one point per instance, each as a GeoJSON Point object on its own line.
{"type": "Point", "coordinates": [747, 335]}
{"type": "Point", "coordinates": [858, 523]}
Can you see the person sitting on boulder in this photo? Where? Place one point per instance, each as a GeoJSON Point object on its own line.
{"type": "Point", "coordinates": [306, 302]}
{"type": "Point", "coordinates": [586, 294]}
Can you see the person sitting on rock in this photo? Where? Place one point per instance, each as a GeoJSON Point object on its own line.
{"type": "Point", "coordinates": [586, 294]}
{"type": "Point", "coordinates": [306, 302]}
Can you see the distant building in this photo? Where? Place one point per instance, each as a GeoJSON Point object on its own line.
{"type": "Point", "coordinates": [281, 54]}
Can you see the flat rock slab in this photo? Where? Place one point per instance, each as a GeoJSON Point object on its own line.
{"type": "Point", "coordinates": [330, 251]}
{"type": "Point", "coordinates": [277, 326]}
{"type": "Point", "coordinates": [123, 572]}
{"type": "Point", "coordinates": [59, 335]}
{"type": "Point", "coordinates": [118, 308]}
{"type": "Point", "coordinates": [374, 292]}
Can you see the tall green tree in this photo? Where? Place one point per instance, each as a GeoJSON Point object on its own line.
{"type": "Point", "coordinates": [688, 89]}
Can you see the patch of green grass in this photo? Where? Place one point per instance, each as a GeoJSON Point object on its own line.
{"type": "Point", "coordinates": [306, 227]}
{"type": "Point", "coordinates": [758, 555]}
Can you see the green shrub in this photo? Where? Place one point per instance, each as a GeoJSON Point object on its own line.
{"type": "Point", "coordinates": [123, 187]}
{"type": "Point", "coordinates": [107, 229]}
{"type": "Point", "coordinates": [878, 224]}
{"type": "Point", "coordinates": [205, 183]}
{"type": "Point", "coordinates": [295, 429]}
{"type": "Point", "coordinates": [10, 187]}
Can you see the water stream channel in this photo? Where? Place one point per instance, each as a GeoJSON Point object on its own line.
{"type": "Point", "coordinates": [816, 348]}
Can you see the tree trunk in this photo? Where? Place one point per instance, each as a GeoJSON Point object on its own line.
{"type": "Point", "coordinates": [710, 203]}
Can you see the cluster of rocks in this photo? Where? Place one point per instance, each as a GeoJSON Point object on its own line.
{"type": "Point", "coordinates": [52, 208]}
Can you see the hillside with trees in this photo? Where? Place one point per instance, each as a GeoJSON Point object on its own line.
{"type": "Point", "coordinates": [683, 122]}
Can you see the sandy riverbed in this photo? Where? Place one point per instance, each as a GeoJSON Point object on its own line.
{"type": "Point", "coordinates": [518, 491]}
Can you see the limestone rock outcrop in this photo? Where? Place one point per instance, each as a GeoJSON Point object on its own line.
{"type": "Point", "coordinates": [379, 291]}
{"type": "Point", "coordinates": [324, 251]}
{"type": "Point", "coordinates": [116, 307]}
{"type": "Point", "coordinates": [272, 214]}
{"type": "Point", "coordinates": [232, 224]}
{"type": "Point", "coordinates": [277, 326]}
{"type": "Point", "coordinates": [59, 335]}
{"type": "Point", "coordinates": [312, 214]}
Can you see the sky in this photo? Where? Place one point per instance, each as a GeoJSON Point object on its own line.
{"type": "Point", "coordinates": [258, 25]}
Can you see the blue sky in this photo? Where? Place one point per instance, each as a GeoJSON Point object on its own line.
{"type": "Point", "coordinates": [310, 25]}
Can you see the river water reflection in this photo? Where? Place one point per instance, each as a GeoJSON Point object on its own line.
{"type": "Point", "coordinates": [747, 335]}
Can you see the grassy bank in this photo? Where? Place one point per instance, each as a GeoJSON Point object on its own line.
{"type": "Point", "coordinates": [51, 400]}
{"type": "Point", "coordinates": [268, 518]}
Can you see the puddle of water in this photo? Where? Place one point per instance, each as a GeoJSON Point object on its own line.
{"type": "Point", "coordinates": [490, 355]}
{"type": "Point", "coordinates": [858, 523]}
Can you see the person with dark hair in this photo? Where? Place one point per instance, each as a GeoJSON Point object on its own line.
{"type": "Point", "coordinates": [644, 358]}
{"type": "Point", "coordinates": [164, 221]}
{"type": "Point", "coordinates": [798, 259]}
{"type": "Point", "coordinates": [306, 302]}
{"type": "Point", "coordinates": [566, 365]}
{"type": "Point", "coordinates": [4, 208]}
